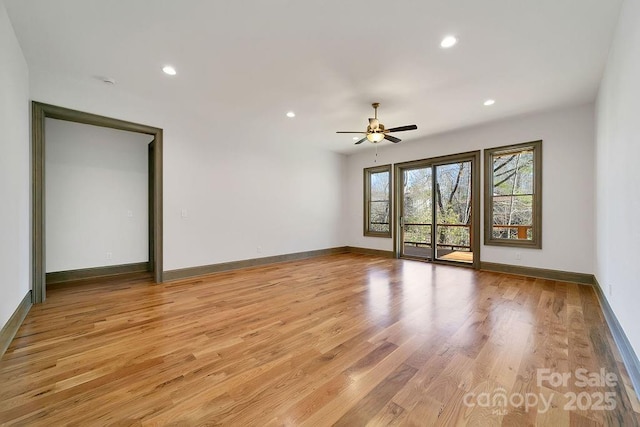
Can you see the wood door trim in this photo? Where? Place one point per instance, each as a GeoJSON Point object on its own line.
{"type": "Point", "coordinates": [40, 112]}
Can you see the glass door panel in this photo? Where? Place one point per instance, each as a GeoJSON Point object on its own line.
{"type": "Point", "coordinates": [453, 215]}
{"type": "Point", "coordinates": [417, 213]}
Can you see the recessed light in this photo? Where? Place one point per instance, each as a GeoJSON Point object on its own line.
{"type": "Point", "coordinates": [168, 69]}
{"type": "Point", "coordinates": [489, 102]}
{"type": "Point", "coordinates": [448, 42]}
{"type": "Point", "coordinates": [291, 114]}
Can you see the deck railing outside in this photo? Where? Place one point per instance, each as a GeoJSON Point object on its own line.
{"type": "Point", "coordinates": [450, 245]}
{"type": "Point", "coordinates": [522, 234]}
{"type": "Point", "coordinates": [522, 229]}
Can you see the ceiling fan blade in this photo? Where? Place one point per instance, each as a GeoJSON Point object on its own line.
{"type": "Point", "coordinates": [401, 128]}
{"type": "Point", "coordinates": [392, 139]}
{"type": "Point", "coordinates": [350, 132]}
{"type": "Point", "coordinates": [361, 141]}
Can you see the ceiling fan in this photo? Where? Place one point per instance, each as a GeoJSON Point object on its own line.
{"type": "Point", "coordinates": [376, 131]}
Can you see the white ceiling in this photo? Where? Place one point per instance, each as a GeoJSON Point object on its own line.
{"type": "Point", "coordinates": [251, 61]}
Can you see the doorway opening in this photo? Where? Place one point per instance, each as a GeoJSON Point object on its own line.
{"type": "Point", "coordinates": [40, 112]}
{"type": "Point", "coordinates": [437, 207]}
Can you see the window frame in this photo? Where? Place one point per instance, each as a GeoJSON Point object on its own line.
{"type": "Point", "coordinates": [367, 172]}
{"type": "Point", "coordinates": [536, 213]}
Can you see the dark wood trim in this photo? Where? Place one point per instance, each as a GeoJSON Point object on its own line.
{"type": "Point", "coordinates": [475, 207]}
{"type": "Point", "coordinates": [536, 242]}
{"type": "Point", "coordinates": [437, 160]}
{"type": "Point", "coordinates": [95, 272]}
{"type": "Point", "coordinates": [367, 195]}
{"type": "Point", "coordinates": [150, 204]}
{"type": "Point", "coordinates": [629, 357]}
{"type": "Point", "coordinates": [40, 112]}
{"type": "Point", "coordinates": [38, 272]}
{"type": "Point", "coordinates": [157, 240]}
{"type": "Point", "coordinates": [367, 251]}
{"type": "Point", "coordinates": [541, 273]}
{"type": "Point", "coordinates": [204, 270]}
{"type": "Point", "coordinates": [474, 158]}
{"type": "Point", "coordinates": [67, 114]}
{"type": "Point", "coordinates": [10, 329]}
{"type": "Point", "coordinates": [398, 192]}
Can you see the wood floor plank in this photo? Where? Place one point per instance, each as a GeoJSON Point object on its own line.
{"type": "Point", "coordinates": [370, 404]}
{"type": "Point", "coordinates": [346, 339]}
{"type": "Point", "coordinates": [362, 385]}
{"type": "Point", "coordinates": [391, 414]}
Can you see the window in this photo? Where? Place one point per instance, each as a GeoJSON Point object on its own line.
{"type": "Point", "coordinates": [513, 195]}
{"type": "Point", "coordinates": [377, 201]}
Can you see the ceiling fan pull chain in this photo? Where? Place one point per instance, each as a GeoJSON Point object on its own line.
{"type": "Point", "coordinates": [376, 159]}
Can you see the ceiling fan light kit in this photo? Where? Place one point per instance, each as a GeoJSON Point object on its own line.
{"type": "Point", "coordinates": [376, 131]}
{"type": "Point", "coordinates": [375, 137]}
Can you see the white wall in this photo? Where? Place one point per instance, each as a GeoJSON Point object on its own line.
{"type": "Point", "coordinates": [241, 197]}
{"type": "Point", "coordinates": [14, 172]}
{"type": "Point", "coordinates": [568, 184]}
{"type": "Point", "coordinates": [239, 193]}
{"type": "Point", "coordinates": [618, 174]}
{"type": "Point", "coordinates": [96, 182]}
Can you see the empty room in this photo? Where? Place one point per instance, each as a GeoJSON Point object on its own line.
{"type": "Point", "coordinates": [417, 213]}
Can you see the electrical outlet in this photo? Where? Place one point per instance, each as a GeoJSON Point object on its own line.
{"type": "Point", "coordinates": [184, 213]}
{"type": "Point", "coordinates": [259, 249]}
{"type": "Point", "coordinates": [129, 214]}
{"type": "Point", "coordinates": [610, 290]}
{"type": "Point", "coordinates": [518, 256]}
{"type": "Point", "coordinates": [109, 255]}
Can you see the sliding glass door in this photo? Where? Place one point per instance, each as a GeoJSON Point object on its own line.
{"type": "Point", "coordinates": [436, 206]}
{"type": "Point", "coordinates": [417, 213]}
{"type": "Point", "coordinates": [454, 212]}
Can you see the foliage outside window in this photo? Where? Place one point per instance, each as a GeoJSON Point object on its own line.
{"type": "Point", "coordinates": [417, 207]}
{"type": "Point", "coordinates": [453, 199]}
{"type": "Point", "coordinates": [377, 201]}
{"type": "Point", "coordinates": [513, 195]}
{"type": "Point", "coordinates": [453, 205]}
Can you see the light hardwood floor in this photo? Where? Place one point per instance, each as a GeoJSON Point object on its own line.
{"type": "Point", "coordinates": [345, 339]}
